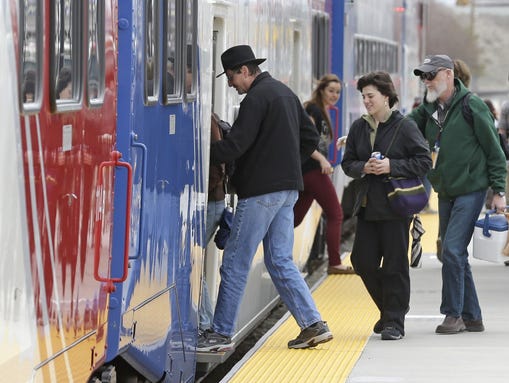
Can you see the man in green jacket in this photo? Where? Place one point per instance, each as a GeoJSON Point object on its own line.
{"type": "Point", "coordinates": [467, 159]}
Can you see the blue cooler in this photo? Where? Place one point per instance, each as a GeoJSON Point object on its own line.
{"type": "Point", "coordinates": [490, 237]}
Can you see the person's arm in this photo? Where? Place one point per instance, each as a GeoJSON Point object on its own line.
{"type": "Point", "coordinates": [420, 116]}
{"type": "Point", "coordinates": [242, 135]}
{"type": "Point", "coordinates": [309, 137]}
{"type": "Point", "coordinates": [352, 164]}
{"type": "Point", "coordinates": [325, 165]}
{"type": "Point", "coordinates": [487, 136]}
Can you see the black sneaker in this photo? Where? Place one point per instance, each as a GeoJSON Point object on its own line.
{"type": "Point", "coordinates": [391, 333]}
{"type": "Point", "coordinates": [311, 336]}
{"type": "Point", "coordinates": [202, 334]}
{"type": "Point", "coordinates": [378, 327]}
{"type": "Point", "coordinates": [211, 341]}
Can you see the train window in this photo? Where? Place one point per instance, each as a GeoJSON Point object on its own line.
{"type": "Point", "coordinates": [172, 83]}
{"type": "Point", "coordinates": [358, 56]}
{"type": "Point", "coordinates": [321, 43]}
{"type": "Point", "coordinates": [96, 51]}
{"type": "Point", "coordinates": [65, 46]}
{"type": "Point", "coordinates": [190, 40]}
{"type": "Point", "coordinates": [378, 56]}
{"type": "Point", "coordinates": [152, 71]}
{"type": "Point", "coordinates": [31, 54]}
{"type": "Point", "coordinates": [373, 55]}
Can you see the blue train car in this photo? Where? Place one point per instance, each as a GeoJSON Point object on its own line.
{"type": "Point", "coordinates": [153, 320]}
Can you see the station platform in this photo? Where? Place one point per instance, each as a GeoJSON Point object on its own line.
{"type": "Point", "coordinates": [357, 355]}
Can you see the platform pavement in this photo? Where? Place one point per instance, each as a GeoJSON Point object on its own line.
{"type": "Point", "coordinates": [425, 357]}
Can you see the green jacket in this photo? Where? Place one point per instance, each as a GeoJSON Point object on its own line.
{"type": "Point", "coordinates": [470, 158]}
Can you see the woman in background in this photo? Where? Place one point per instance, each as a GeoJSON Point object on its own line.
{"type": "Point", "coordinates": [317, 169]}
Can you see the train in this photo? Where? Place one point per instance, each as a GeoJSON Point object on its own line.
{"type": "Point", "coordinates": [106, 107]}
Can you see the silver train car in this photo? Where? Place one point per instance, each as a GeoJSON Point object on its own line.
{"type": "Point", "coordinates": [103, 208]}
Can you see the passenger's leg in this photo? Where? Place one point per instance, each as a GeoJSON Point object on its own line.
{"type": "Point", "coordinates": [278, 250]}
{"type": "Point", "coordinates": [303, 203]}
{"type": "Point", "coordinates": [250, 224]}
{"type": "Point", "coordinates": [457, 220]}
{"type": "Point", "coordinates": [366, 257]}
{"type": "Point", "coordinates": [325, 194]}
{"type": "Point", "coordinates": [214, 212]}
{"type": "Point", "coordinates": [394, 237]}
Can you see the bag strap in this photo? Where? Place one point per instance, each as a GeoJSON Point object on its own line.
{"type": "Point", "coordinates": [394, 136]}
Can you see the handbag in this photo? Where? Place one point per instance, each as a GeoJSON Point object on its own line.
{"type": "Point", "coordinates": [225, 223]}
{"type": "Point", "coordinates": [407, 196]}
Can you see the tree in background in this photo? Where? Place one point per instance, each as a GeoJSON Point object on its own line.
{"type": "Point", "coordinates": [476, 34]}
{"type": "Point", "coordinates": [451, 34]}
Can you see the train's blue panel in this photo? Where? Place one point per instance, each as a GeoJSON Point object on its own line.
{"type": "Point", "coordinates": [155, 318]}
{"type": "Point", "coordinates": [337, 9]}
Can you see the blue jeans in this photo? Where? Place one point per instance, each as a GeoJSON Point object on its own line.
{"type": "Point", "coordinates": [457, 220]}
{"type": "Point", "coordinates": [214, 212]}
{"type": "Point", "coordinates": [267, 217]}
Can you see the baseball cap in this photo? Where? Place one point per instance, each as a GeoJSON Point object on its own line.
{"type": "Point", "coordinates": [432, 63]}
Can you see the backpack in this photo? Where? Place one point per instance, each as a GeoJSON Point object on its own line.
{"type": "Point", "coordinates": [468, 116]}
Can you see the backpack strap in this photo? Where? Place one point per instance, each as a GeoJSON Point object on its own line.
{"type": "Point", "coordinates": [466, 110]}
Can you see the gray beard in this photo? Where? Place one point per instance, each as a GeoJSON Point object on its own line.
{"type": "Point", "coordinates": [432, 95]}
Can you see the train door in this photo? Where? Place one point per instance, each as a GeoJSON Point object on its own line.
{"type": "Point", "coordinates": [213, 256]}
{"type": "Point", "coordinates": [154, 325]}
{"type": "Point", "coordinates": [66, 62]}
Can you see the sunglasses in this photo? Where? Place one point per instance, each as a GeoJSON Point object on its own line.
{"type": "Point", "coordinates": [231, 75]}
{"type": "Point", "coordinates": [430, 76]}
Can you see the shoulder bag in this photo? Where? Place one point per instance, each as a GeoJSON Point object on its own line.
{"type": "Point", "coordinates": [407, 196]}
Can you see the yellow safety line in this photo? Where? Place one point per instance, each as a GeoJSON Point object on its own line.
{"type": "Point", "coordinates": [350, 313]}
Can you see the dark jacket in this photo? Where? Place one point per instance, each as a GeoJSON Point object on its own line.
{"type": "Point", "coordinates": [325, 137]}
{"type": "Point", "coordinates": [470, 157]}
{"type": "Point", "coordinates": [268, 141]}
{"type": "Point", "coordinates": [409, 157]}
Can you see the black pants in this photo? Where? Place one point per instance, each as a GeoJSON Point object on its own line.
{"type": "Point", "coordinates": [380, 257]}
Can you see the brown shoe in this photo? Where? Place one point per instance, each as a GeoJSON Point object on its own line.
{"type": "Point", "coordinates": [474, 325]}
{"type": "Point", "coordinates": [335, 270]}
{"type": "Point", "coordinates": [451, 325]}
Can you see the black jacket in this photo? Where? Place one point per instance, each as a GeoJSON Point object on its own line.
{"type": "Point", "coordinates": [409, 157]}
{"type": "Point", "coordinates": [325, 137]}
{"type": "Point", "coordinates": [270, 138]}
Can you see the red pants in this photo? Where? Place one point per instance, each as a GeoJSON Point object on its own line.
{"type": "Point", "coordinates": [319, 187]}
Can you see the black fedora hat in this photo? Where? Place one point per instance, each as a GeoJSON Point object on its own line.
{"type": "Point", "coordinates": [237, 56]}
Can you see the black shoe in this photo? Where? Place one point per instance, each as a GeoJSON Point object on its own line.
{"type": "Point", "coordinates": [474, 325]}
{"type": "Point", "coordinates": [311, 336]}
{"type": "Point", "coordinates": [378, 327]}
{"type": "Point", "coordinates": [506, 263]}
{"type": "Point", "coordinates": [391, 333]}
{"type": "Point", "coordinates": [211, 341]}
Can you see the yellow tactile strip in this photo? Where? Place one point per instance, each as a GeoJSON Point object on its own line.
{"type": "Point", "coordinates": [346, 306]}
